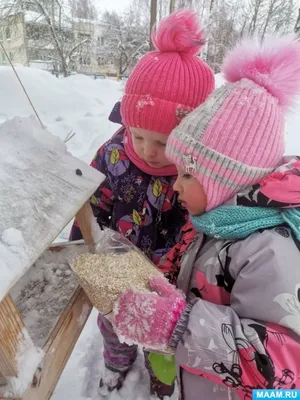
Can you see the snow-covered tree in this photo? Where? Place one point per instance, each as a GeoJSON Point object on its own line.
{"type": "Point", "coordinates": [126, 37]}
{"type": "Point", "coordinates": [269, 16]}
{"type": "Point", "coordinates": [84, 9]}
{"type": "Point", "coordinates": [50, 30]}
{"type": "Point", "coordinates": [227, 20]}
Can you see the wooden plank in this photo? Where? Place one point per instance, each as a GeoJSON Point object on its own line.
{"type": "Point", "coordinates": [43, 187]}
{"type": "Point", "coordinates": [59, 347]}
{"type": "Point", "coordinates": [2, 380]}
{"type": "Point", "coordinates": [58, 246]}
{"type": "Point", "coordinates": [72, 313]}
{"type": "Point", "coordinates": [11, 326]}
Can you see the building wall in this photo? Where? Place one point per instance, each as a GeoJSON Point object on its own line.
{"type": "Point", "coordinates": [13, 38]}
{"type": "Point", "coordinates": [91, 61]}
{"type": "Point", "coordinates": [111, 70]}
{"type": "Point", "coordinates": [22, 49]}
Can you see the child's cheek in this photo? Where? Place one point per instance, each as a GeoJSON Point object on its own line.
{"type": "Point", "coordinates": [197, 201]}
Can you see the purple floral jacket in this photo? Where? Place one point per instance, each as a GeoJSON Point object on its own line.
{"type": "Point", "coordinates": [144, 208]}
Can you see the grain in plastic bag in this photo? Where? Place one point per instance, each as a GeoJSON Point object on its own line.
{"type": "Point", "coordinates": [113, 266]}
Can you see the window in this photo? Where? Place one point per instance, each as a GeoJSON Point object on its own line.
{"type": "Point", "coordinates": [32, 7]}
{"type": "Point", "coordinates": [33, 54]}
{"type": "Point", "coordinates": [85, 60]}
{"type": "Point", "coordinates": [35, 32]}
{"type": "Point", "coordinates": [84, 36]}
{"type": "Point", "coordinates": [101, 61]}
{"type": "Point", "coordinates": [110, 61]}
{"type": "Point", "coordinates": [3, 58]}
{"type": "Point", "coordinates": [101, 40]}
{"type": "Point", "coordinates": [8, 33]}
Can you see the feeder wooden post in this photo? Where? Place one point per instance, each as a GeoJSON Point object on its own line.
{"type": "Point", "coordinates": [11, 327]}
{"type": "Point", "coordinates": [84, 219]}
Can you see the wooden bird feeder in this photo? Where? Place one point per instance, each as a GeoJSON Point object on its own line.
{"type": "Point", "coordinates": [42, 188]}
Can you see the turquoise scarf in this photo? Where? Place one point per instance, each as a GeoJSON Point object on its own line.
{"type": "Point", "coordinates": [238, 222]}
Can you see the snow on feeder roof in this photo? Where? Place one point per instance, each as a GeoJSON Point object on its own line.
{"type": "Point", "coordinates": [42, 188]}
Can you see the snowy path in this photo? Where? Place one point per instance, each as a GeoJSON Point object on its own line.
{"type": "Point", "coordinates": [81, 376]}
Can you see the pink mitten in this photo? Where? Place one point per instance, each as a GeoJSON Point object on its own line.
{"type": "Point", "coordinates": [148, 319]}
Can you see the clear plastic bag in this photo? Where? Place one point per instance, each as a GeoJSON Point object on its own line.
{"type": "Point", "coordinates": [112, 241]}
{"type": "Point", "coordinates": [113, 266]}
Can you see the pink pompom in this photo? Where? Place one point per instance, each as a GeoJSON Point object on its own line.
{"type": "Point", "coordinates": [180, 32]}
{"type": "Point", "coordinates": [273, 64]}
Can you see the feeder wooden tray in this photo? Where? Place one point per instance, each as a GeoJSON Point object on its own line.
{"type": "Point", "coordinates": [43, 293]}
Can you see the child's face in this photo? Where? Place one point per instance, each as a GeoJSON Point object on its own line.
{"type": "Point", "coordinates": [191, 193]}
{"type": "Point", "coordinates": [150, 147]}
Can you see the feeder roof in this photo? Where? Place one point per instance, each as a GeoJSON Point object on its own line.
{"type": "Point", "coordinates": [42, 187]}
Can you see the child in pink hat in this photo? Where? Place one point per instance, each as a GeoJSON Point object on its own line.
{"type": "Point", "coordinates": [137, 197]}
{"type": "Point", "coordinates": [234, 325]}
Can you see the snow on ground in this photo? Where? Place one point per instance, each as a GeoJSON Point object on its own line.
{"type": "Point", "coordinates": [81, 377]}
{"type": "Point", "coordinates": [78, 103]}
{"type": "Point", "coordinates": [28, 358]}
{"type": "Point", "coordinates": [81, 104]}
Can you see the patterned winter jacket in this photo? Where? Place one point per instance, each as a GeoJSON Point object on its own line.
{"type": "Point", "coordinates": [170, 264]}
{"type": "Point", "coordinates": [144, 208]}
{"type": "Point", "coordinates": [241, 329]}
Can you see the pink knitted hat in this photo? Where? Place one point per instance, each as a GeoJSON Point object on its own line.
{"type": "Point", "coordinates": [168, 83]}
{"type": "Point", "coordinates": [237, 136]}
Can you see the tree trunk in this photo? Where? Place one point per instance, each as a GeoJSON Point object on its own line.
{"type": "Point", "coordinates": [208, 44]}
{"type": "Point", "coordinates": [124, 63]}
{"type": "Point", "coordinates": [63, 63]}
{"type": "Point", "coordinates": [172, 6]}
{"type": "Point", "coordinates": [153, 10]}
{"type": "Point", "coordinates": [270, 11]}
{"type": "Point", "coordinates": [65, 71]}
{"type": "Point", "coordinates": [56, 42]}
{"type": "Point", "coordinates": [297, 25]}
{"type": "Point", "coordinates": [160, 12]}
{"type": "Point", "coordinates": [253, 22]}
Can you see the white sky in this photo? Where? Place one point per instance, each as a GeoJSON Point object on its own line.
{"type": "Point", "coordinates": [110, 5]}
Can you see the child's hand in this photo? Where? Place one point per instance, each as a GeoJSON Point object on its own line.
{"type": "Point", "coordinates": [148, 319]}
